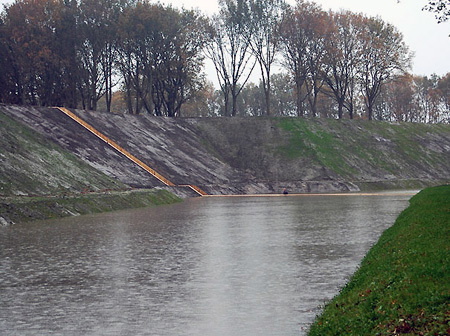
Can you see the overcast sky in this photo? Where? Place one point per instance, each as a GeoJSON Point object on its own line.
{"type": "Point", "coordinates": [429, 40]}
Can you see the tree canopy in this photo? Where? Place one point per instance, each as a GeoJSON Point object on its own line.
{"type": "Point", "coordinates": [150, 57]}
{"type": "Point", "coordinates": [440, 8]}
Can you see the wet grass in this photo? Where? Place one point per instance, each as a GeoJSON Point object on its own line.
{"type": "Point", "coordinates": [402, 286]}
{"type": "Point", "coordinates": [311, 141]}
{"type": "Point", "coordinates": [24, 209]}
{"type": "Point", "coordinates": [360, 149]}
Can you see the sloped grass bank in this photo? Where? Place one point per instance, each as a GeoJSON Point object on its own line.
{"type": "Point", "coordinates": [369, 154]}
{"type": "Point", "coordinates": [402, 286]}
{"type": "Point", "coordinates": [23, 209]}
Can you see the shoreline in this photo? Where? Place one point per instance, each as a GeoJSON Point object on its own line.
{"type": "Point", "coordinates": [385, 193]}
{"type": "Point", "coordinates": [26, 208]}
{"type": "Point", "coordinates": [20, 209]}
{"type": "Point", "coordinates": [401, 285]}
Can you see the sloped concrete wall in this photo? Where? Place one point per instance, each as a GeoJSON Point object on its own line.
{"type": "Point", "coordinates": [232, 155]}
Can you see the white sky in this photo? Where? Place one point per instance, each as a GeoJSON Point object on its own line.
{"type": "Point", "coordinates": [429, 40]}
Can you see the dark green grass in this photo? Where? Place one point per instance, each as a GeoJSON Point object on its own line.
{"type": "Point", "coordinates": [26, 209]}
{"type": "Point", "coordinates": [314, 142]}
{"type": "Point", "coordinates": [403, 284]}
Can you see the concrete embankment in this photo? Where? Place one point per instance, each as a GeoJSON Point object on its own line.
{"type": "Point", "coordinates": [41, 180]}
{"type": "Point", "coordinates": [252, 155]}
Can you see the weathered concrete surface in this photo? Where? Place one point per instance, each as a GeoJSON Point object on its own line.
{"type": "Point", "coordinates": [54, 125]}
{"type": "Point", "coordinates": [322, 155]}
{"type": "Point", "coordinates": [30, 165]}
{"type": "Point", "coordinates": [253, 155]}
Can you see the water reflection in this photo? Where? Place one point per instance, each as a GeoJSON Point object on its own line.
{"type": "Point", "coordinates": [214, 266]}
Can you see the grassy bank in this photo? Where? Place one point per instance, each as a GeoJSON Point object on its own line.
{"type": "Point", "coordinates": [402, 286]}
{"type": "Point", "coordinates": [368, 154]}
{"type": "Point", "coordinates": [23, 209]}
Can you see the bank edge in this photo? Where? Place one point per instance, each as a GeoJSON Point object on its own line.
{"type": "Point", "coordinates": [42, 207]}
{"type": "Point", "coordinates": [402, 285]}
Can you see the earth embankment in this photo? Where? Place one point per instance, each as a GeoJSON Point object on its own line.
{"type": "Point", "coordinates": [402, 284]}
{"type": "Point", "coordinates": [245, 155]}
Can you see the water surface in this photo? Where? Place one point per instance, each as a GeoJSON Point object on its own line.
{"type": "Point", "coordinates": [208, 266]}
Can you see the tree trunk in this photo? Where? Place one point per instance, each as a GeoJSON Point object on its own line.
{"type": "Point", "coordinates": [299, 100]}
{"type": "Point", "coordinates": [266, 87]}
{"type": "Point", "coordinates": [234, 110]}
{"type": "Point", "coordinates": [350, 110]}
{"type": "Point", "coordinates": [370, 109]}
{"type": "Point", "coordinates": [340, 108]}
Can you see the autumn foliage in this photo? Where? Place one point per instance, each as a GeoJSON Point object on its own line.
{"type": "Point", "coordinates": [140, 57]}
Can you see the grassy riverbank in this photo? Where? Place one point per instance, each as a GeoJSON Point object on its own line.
{"type": "Point", "coordinates": [402, 286]}
{"type": "Point", "coordinates": [23, 209]}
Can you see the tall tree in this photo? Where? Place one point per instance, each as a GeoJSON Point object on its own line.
{"type": "Point", "coordinates": [344, 53]}
{"type": "Point", "coordinates": [283, 97]}
{"type": "Point", "coordinates": [160, 57]}
{"type": "Point", "coordinates": [229, 48]}
{"type": "Point", "coordinates": [265, 19]}
{"type": "Point", "coordinates": [396, 100]}
{"type": "Point", "coordinates": [444, 91]}
{"type": "Point", "coordinates": [32, 50]}
{"type": "Point", "coordinates": [302, 37]}
{"type": "Point", "coordinates": [69, 42]}
{"type": "Point", "coordinates": [316, 56]}
{"type": "Point", "coordinates": [98, 29]}
{"type": "Point", "coordinates": [135, 33]}
{"type": "Point", "coordinates": [385, 55]}
{"type": "Point", "coordinates": [431, 98]}
{"type": "Point", "coordinates": [178, 53]}
{"type": "Point", "coordinates": [8, 68]}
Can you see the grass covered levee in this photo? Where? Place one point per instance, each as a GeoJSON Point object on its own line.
{"type": "Point", "coordinates": [402, 285]}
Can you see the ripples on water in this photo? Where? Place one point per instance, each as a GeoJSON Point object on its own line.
{"type": "Point", "coordinates": [211, 266]}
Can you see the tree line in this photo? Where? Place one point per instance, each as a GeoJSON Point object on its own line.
{"type": "Point", "coordinates": [406, 98]}
{"type": "Point", "coordinates": [72, 53]}
{"type": "Point", "coordinates": [149, 58]}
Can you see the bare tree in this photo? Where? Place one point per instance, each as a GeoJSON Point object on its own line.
{"type": "Point", "coordinates": [229, 47]}
{"type": "Point", "coordinates": [135, 60]}
{"type": "Point", "coordinates": [385, 55]}
{"type": "Point", "coordinates": [265, 19]}
{"type": "Point", "coordinates": [302, 37]}
{"type": "Point", "coordinates": [344, 53]}
{"type": "Point", "coordinates": [160, 57]}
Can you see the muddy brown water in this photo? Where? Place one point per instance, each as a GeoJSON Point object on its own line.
{"type": "Point", "coordinates": [209, 266]}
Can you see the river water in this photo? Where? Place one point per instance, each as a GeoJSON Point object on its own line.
{"type": "Point", "coordinates": [208, 266]}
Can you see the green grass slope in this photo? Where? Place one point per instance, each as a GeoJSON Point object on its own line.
{"type": "Point", "coordinates": [40, 180]}
{"type": "Point", "coordinates": [19, 210]}
{"type": "Point", "coordinates": [367, 152]}
{"type": "Point", "coordinates": [403, 284]}
{"type": "Point", "coordinates": [372, 155]}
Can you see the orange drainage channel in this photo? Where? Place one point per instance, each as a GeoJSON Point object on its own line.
{"type": "Point", "coordinates": [125, 152]}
